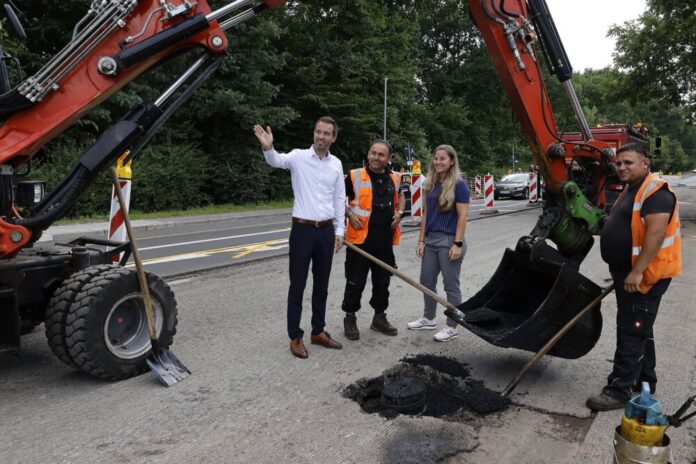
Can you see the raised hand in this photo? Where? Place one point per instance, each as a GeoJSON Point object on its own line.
{"type": "Point", "coordinates": [265, 136]}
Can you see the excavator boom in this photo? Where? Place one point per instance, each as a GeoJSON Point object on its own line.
{"type": "Point", "coordinates": [537, 287]}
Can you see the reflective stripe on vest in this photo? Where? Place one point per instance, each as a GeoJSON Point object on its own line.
{"type": "Point", "coordinates": [357, 185]}
{"type": "Point", "coordinates": [652, 186]}
{"type": "Point", "coordinates": [667, 261]}
{"type": "Point", "coordinates": [667, 242]}
{"type": "Point", "coordinates": [361, 181]}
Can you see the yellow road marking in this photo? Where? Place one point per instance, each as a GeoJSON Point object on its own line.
{"type": "Point", "coordinates": [253, 249]}
{"type": "Point", "coordinates": [282, 242]}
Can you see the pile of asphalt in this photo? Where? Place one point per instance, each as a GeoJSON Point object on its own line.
{"type": "Point", "coordinates": [451, 391]}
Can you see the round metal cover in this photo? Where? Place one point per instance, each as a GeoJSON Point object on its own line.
{"type": "Point", "coordinates": [405, 394]}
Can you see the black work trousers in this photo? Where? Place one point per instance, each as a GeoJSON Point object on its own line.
{"type": "Point", "coordinates": [634, 360]}
{"type": "Point", "coordinates": [379, 244]}
{"type": "Point", "coordinates": [315, 245]}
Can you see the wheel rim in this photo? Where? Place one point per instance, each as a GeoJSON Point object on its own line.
{"type": "Point", "coordinates": [125, 329]}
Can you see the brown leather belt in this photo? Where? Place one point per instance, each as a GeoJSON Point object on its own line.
{"type": "Point", "coordinates": [325, 223]}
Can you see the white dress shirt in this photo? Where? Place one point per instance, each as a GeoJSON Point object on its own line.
{"type": "Point", "coordinates": [317, 183]}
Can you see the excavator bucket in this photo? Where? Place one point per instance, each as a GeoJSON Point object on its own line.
{"type": "Point", "coordinates": [532, 295]}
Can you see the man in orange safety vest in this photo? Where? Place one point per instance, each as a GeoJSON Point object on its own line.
{"type": "Point", "coordinates": [641, 242]}
{"type": "Point", "coordinates": [375, 207]}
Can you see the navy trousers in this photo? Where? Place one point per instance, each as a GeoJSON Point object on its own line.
{"type": "Point", "coordinates": [634, 359]}
{"type": "Point", "coordinates": [315, 245]}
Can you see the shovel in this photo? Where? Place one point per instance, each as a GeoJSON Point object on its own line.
{"type": "Point", "coordinates": [163, 363]}
{"type": "Point", "coordinates": [409, 280]}
{"type": "Point", "coordinates": [545, 349]}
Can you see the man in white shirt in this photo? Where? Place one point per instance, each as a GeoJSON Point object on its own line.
{"type": "Point", "coordinates": [318, 225]}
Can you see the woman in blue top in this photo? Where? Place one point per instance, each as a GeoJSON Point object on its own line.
{"type": "Point", "coordinates": [441, 244]}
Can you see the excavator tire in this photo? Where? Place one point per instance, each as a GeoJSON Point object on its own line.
{"type": "Point", "coordinates": [106, 326]}
{"type": "Point", "coordinates": [58, 309]}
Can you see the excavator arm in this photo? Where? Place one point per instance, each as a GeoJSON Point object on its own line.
{"type": "Point", "coordinates": [115, 42]}
{"type": "Point", "coordinates": [537, 287]}
{"type": "Point", "coordinates": [520, 35]}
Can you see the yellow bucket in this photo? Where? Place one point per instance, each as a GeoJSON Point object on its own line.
{"type": "Point", "coordinates": [640, 434]}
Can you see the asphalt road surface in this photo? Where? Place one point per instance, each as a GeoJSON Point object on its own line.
{"type": "Point", "coordinates": [250, 400]}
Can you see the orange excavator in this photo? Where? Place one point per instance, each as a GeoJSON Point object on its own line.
{"type": "Point", "coordinates": [93, 312]}
{"type": "Point", "coordinates": [537, 288]}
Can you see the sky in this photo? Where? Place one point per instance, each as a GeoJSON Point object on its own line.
{"type": "Point", "coordinates": [583, 27]}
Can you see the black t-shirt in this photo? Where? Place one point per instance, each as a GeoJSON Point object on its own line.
{"type": "Point", "coordinates": [382, 199]}
{"type": "Point", "coordinates": [615, 241]}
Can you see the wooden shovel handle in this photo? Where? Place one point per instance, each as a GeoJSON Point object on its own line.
{"type": "Point", "coordinates": [404, 277]}
{"type": "Point", "coordinates": [144, 288]}
{"type": "Point", "coordinates": [550, 344]}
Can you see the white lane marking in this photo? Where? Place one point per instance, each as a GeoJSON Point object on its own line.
{"type": "Point", "coordinates": [208, 240]}
{"type": "Point", "coordinates": [211, 230]}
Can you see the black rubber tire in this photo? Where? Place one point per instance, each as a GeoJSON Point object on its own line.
{"type": "Point", "coordinates": [525, 195]}
{"type": "Point", "coordinates": [88, 313]}
{"type": "Point", "coordinates": [59, 306]}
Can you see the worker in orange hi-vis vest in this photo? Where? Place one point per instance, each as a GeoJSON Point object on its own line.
{"type": "Point", "coordinates": [375, 207]}
{"type": "Point", "coordinates": [641, 243]}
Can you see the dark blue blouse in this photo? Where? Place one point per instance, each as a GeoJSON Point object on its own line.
{"type": "Point", "coordinates": [439, 221]}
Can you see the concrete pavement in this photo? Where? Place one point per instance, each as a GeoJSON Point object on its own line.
{"type": "Point", "coordinates": [249, 400]}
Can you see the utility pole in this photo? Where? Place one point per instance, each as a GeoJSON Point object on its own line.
{"type": "Point", "coordinates": [385, 108]}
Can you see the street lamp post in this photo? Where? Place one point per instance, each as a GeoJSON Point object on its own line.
{"type": "Point", "coordinates": [385, 108]}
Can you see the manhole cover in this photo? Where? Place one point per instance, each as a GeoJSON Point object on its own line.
{"type": "Point", "coordinates": [427, 385]}
{"type": "Point", "coordinates": [405, 394]}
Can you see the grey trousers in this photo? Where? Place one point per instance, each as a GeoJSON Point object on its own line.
{"type": "Point", "coordinates": [436, 261]}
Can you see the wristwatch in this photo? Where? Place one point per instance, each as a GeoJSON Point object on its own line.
{"type": "Point", "coordinates": [400, 213]}
{"type": "Point", "coordinates": [459, 243]}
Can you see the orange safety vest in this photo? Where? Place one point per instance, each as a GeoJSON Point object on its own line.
{"type": "Point", "coordinates": [361, 206]}
{"type": "Point", "coordinates": [667, 262]}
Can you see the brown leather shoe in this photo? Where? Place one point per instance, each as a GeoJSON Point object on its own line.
{"type": "Point", "coordinates": [324, 339]}
{"type": "Point", "coordinates": [298, 349]}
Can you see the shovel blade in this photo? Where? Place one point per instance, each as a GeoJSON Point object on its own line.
{"type": "Point", "coordinates": [167, 367]}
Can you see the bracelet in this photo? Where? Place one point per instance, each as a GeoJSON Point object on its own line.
{"type": "Point", "coordinates": [421, 241]}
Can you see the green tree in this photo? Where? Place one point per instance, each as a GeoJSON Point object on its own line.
{"type": "Point", "coordinates": [657, 52]}
{"type": "Point", "coordinates": [341, 51]}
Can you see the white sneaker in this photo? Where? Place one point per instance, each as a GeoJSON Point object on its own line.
{"type": "Point", "coordinates": [446, 334]}
{"type": "Point", "coordinates": [423, 324]}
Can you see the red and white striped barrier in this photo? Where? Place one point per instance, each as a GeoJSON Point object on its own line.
{"type": "Point", "coordinates": [489, 192]}
{"type": "Point", "coordinates": [117, 228]}
{"type": "Point", "coordinates": [477, 186]}
{"type": "Point", "coordinates": [533, 187]}
{"type": "Point", "coordinates": [417, 196]}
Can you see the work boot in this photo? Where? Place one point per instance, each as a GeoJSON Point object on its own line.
{"type": "Point", "coordinates": [604, 402]}
{"type": "Point", "coordinates": [350, 327]}
{"type": "Point", "coordinates": [381, 324]}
